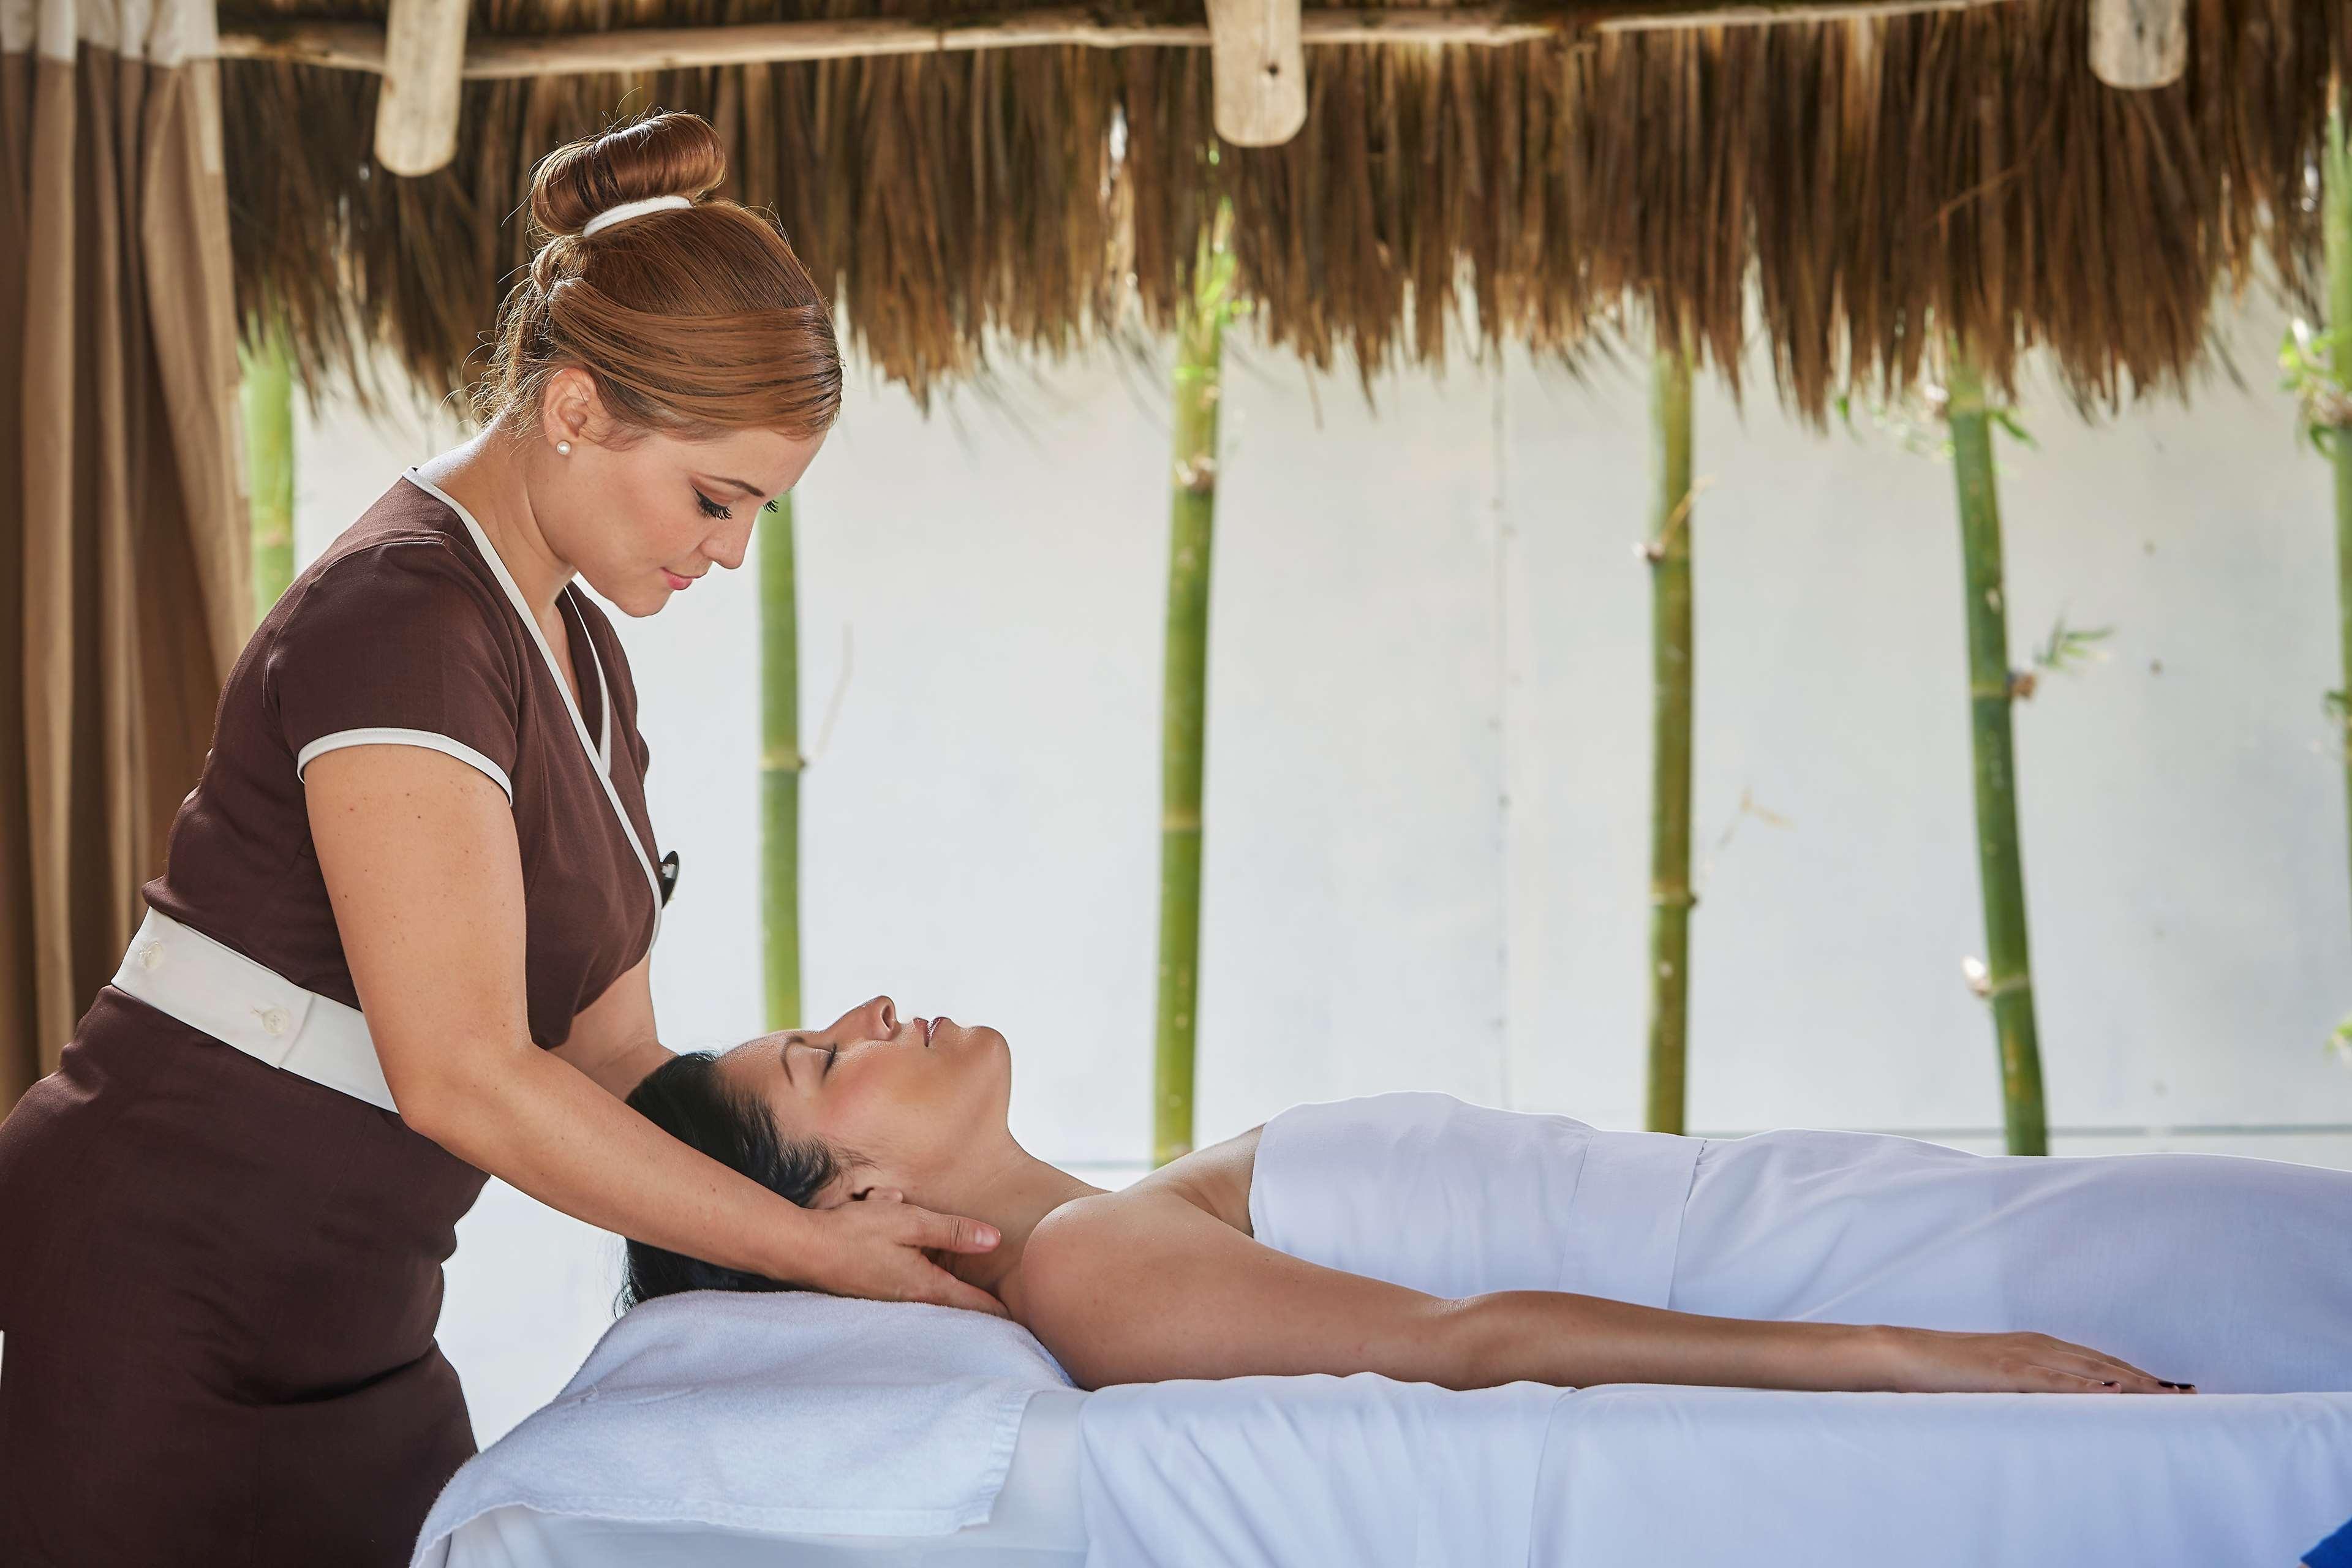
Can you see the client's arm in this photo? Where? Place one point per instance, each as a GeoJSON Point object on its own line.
{"type": "Point", "coordinates": [1137, 1287]}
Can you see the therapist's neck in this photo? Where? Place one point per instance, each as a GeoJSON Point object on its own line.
{"type": "Point", "coordinates": [490, 475]}
{"type": "Point", "coordinates": [1008, 1187]}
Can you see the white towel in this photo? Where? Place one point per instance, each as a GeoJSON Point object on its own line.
{"type": "Point", "coordinates": [1427, 1191]}
{"type": "Point", "coordinates": [787, 1413]}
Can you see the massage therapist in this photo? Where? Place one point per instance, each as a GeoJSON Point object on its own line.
{"type": "Point", "coordinates": [404, 933]}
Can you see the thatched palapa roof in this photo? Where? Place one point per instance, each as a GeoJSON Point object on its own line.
{"type": "Point", "coordinates": [1850, 189]}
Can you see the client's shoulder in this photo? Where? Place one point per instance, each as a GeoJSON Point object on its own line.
{"type": "Point", "coordinates": [1087, 1235]}
{"type": "Point", "coordinates": [1100, 1274]}
{"type": "Point", "coordinates": [1102, 1241]}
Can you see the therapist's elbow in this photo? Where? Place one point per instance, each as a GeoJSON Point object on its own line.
{"type": "Point", "coordinates": [455, 1107]}
{"type": "Point", "coordinates": [428, 1109]}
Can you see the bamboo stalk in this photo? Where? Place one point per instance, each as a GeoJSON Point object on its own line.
{"type": "Point", "coordinates": [2337, 220]}
{"type": "Point", "coordinates": [360, 46]}
{"type": "Point", "coordinates": [267, 395]}
{"type": "Point", "coordinates": [1669, 555]}
{"type": "Point", "coordinates": [1192, 519]}
{"type": "Point", "coordinates": [781, 764]}
{"type": "Point", "coordinates": [2010, 983]}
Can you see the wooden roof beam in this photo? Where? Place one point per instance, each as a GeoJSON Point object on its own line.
{"type": "Point", "coordinates": [2139, 44]}
{"type": "Point", "coordinates": [424, 55]}
{"type": "Point", "coordinates": [362, 46]}
{"type": "Point", "coordinates": [1257, 68]}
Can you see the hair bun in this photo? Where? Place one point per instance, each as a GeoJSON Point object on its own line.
{"type": "Point", "coordinates": [663, 154]}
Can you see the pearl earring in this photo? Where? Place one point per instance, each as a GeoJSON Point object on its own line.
{"type": "Point", "coordinates": [564, 448]}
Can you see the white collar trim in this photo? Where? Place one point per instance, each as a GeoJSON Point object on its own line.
{"type": "Point", "coordinates": [600, 754]}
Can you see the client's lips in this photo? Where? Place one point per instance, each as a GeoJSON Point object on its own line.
{"type": "Point", "coordinates": [676, 583]}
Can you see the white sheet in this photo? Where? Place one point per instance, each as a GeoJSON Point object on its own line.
{"type": "Point", "coordinates": [774, 1413]}
{"type": "Point", "coordinates": [1431, 1192]}
{"type": "Point", "coordinates": [2229, 1273]}
{"type": "Point", "coordinates": [1291, 1472]}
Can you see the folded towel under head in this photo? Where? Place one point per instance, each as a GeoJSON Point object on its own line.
{"type": "Point", "coordinates": [786, 1412]}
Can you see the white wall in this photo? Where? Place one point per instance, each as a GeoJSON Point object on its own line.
{"type": "Point", "coordinates": [1426, 786]}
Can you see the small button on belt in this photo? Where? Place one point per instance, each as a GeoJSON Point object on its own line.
{"type": "Point", "coordinates": [151, 955]}
{"type": "Point", "coordinates": [273, 1019]}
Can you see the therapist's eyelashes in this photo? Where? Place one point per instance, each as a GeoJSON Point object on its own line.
{"type": "Point", "coordinates": [720, 511]}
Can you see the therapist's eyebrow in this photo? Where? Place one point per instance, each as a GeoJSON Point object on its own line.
{"type": "Point", "coordinates": [738, 484]}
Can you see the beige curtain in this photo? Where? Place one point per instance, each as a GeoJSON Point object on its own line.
{"type": "Point", "coordinates": [124, 586]}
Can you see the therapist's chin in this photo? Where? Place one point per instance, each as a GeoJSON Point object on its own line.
{"type": "Point", "coordinates": [634, 597]}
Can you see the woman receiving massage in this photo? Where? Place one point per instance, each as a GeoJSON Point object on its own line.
{"type": "Point", "coordinates": [1428, 1240]}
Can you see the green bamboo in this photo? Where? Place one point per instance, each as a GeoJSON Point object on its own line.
{"type": "Point", "coordinates": [780, 769]}
{"type": "Point", "coordinates": [269, 399]}
{"type": "Point", "coordinates": [2337, 220]}
{"type": "Point", "coordinates": [1669, 554]}
{"type": "Point", "coordinates": [2000, 872]}
{"type": "Point", "coordinates": [1191, 517]}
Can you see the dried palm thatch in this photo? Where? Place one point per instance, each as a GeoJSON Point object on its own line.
{"type": "Point", "coordinates": [1853, 189]}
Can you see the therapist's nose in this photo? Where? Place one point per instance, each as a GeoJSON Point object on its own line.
{"type": "Point", "coordinates": [726, 547]}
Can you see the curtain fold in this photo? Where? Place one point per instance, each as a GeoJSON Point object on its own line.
{"type": "Point", "coordinates": [124, 595]}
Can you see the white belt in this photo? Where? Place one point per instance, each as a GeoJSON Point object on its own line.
{"type": "Point", "coordinates": [226, 995]}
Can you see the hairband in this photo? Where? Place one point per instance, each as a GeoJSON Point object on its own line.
{"type": "Point", "coordinates": [627, 210]}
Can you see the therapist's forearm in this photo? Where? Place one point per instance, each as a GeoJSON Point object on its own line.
{"type": "Point", "coordinates": [548, 1129]}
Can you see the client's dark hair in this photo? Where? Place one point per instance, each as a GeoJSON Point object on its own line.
{"type": "Point", "coordinates": [685, 1097]}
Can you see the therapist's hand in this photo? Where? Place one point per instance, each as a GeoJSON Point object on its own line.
{"type": "Point", "coordinates": [876, 1249]}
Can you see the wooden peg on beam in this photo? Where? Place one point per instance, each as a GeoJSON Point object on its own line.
{"type": "Point", "coordinates": [424, 67]}
{"type": "Point", "coordinates": [1259, 70]}
{"type": "Point", "coordinates": [2139, 44]}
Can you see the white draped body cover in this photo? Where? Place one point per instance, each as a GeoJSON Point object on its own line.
{"type": "Point", "coordinates": [2234, 1274]}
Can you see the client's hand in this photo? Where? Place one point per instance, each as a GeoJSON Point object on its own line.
{"type": "Point", "coordinates": [1937, 1360]}
{"type": "Point", "coordinates": [877, 1251]}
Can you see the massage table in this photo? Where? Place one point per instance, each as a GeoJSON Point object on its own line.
{"type": "Point", "coordinates": [1362, 1471]}
{"type": "Point", "coordinates": [713, 1428]}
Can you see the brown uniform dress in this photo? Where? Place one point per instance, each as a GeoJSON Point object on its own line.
{"type": "Point", "coordinates": [219, 1280]}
